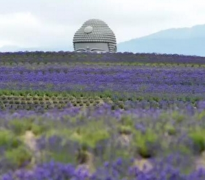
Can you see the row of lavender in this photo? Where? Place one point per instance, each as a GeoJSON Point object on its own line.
{"type": "Point", "coordinates": [87, 85]}
{"type": "Point", "coordinates": [72, 57]}
{"type": "Point", "coordinates": [99, 143]}
{"type": "Point", "coordinates": [98, 78]}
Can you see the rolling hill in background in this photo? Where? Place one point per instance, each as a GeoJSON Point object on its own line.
{"type": "Point", "coordinates": [186, 41]}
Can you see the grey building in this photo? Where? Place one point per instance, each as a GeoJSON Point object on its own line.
{"type": "Point", "coordinates": [94, 36]}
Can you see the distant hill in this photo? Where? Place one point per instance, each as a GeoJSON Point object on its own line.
{"type": "Point", "coordinates": [186, 41]}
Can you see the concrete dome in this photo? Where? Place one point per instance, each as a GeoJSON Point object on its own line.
{"type": "Point", "coordinates": [95, 33]}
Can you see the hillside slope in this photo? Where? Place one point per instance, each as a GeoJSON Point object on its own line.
{"type": "Point", "coordinates": [187, 41]}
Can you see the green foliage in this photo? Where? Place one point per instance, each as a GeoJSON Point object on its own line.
{"type": "Point", "coordinates": [90, 134]}
{"type": "Point", "coordinates": [82, 155]}
{"type": "Point", "coordinates": [178, 116]}
{"type": "Point", "coordinates": [198, 138]}
{"type": "Point", "coordinates": [8, 139]}
{"type": "Point", "coordinates": [200, 115]}
{"type": "Point", "coordinates": [124, 154]}
{"type": "Point", "coordinates": [37, 129]}
{"type": "Point", "coordinates": [20, 126]}
{"type": "Point", "coordinates": [170, 129]}
{"type": "Point", "coordinates": [145, 142]}
{"type": "Point", "coordinates": [18, 156]}
{"type": "Point", "coordinates": [63, 132]}
{"type": "Point", "coordinates": [183, 149]}
{"type": "Point", "coordinates": [125, 130]}
{"type": "Point", "coordinates": [31, 99]}
{"type": "Point", "coordinates": [90, 138]}
{"type": "Point", "coordinates": [62, 156]}
{"type": "Point", "coordinates": [164, 116]}
{"type": "Point", "coordinates": [127, 120]}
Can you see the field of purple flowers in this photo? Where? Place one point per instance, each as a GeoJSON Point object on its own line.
{"type": "Point", "coordinates": [123, 116]}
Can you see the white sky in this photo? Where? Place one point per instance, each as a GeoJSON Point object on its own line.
{"type": "Point", "coordinates": [39, 23]}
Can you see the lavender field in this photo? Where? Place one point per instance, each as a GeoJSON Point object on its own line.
{"type": "Point", "coordinates": [105, 116]}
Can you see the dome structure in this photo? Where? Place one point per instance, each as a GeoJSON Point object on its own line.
{"type": "Point", "coordinates": [95, 35]}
